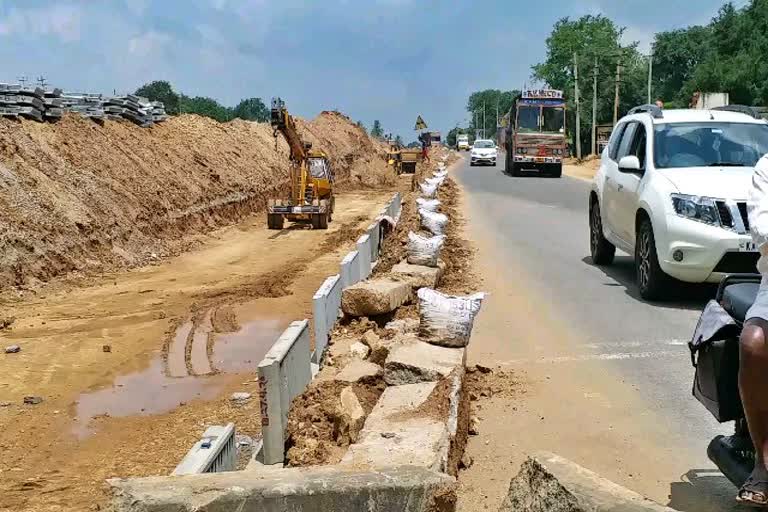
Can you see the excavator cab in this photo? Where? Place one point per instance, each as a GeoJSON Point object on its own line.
{"type": "Point", "coordinates": [311, 178]}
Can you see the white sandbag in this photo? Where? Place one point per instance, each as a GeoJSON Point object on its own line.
{"type": "Point", "coordinates": [428, 204]}
{"type": "Point", "coordinates": [424, 251]}
{"type": "Point", "coordinates": [440, 174]}
{"type": "Point", "coordinates": [435, 181]}
{"type": "Point", "coordinates": [447, 320]}
{"type": "Point", "coordinates": [428, 190]}
{"type": "Point", "coordinates": [433, 222]}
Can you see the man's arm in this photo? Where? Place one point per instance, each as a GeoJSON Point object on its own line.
{"type": "Point", "coordinates": [757, 205]}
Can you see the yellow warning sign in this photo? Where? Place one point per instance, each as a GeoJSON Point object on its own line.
{"type": "Point", "coordinates": [420, 124]}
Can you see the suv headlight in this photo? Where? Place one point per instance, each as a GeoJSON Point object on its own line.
{"type": "Point", "coordinates": [702, 209]}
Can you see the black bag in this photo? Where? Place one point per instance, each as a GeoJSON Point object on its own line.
{"type": "Point", "coordinates": [715, 355]}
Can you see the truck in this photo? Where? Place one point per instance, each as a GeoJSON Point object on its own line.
{"type": "Point", "coordinates": [538, 138]}
{"type": "Point", "coordinates": [462, 142]}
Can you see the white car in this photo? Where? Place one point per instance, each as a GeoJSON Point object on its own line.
{"type": "Point", "coordinates": [483, 152]}
{"type": "Point", "coordinates": [672, 189]}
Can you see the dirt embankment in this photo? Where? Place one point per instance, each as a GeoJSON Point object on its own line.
{"type": "Point", "coordinates": [87, 197]}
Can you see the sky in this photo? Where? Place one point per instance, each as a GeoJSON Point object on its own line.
{"type": "Point", "coordinates": [371, 59]}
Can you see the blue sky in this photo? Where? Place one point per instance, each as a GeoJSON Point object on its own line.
{"type": "Point", "coordinates": [372, 59]}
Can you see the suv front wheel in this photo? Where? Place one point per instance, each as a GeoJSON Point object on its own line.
{"type": "Point", "coordinates": [652, 282]}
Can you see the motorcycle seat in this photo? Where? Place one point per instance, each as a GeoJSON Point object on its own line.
{"type": "Point", "coordinates": [738, 298]}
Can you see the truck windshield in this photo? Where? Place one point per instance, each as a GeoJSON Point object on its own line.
{"type": "Point", "coordinates": [709, 144]}
{"type": "Point", "coordinates": [528, 119]}
{"type": "Point", "coordinates": [554, 120]}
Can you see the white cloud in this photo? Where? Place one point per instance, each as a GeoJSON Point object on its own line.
{"type": "Point", "coordinates": [62, 21]}
{"type": "Point", "coordinates": [644, 38]}
{"type": "Point", "coordinates": [148, 44]}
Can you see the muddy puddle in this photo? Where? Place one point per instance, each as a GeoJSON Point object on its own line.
{"type": "Point", "coordinates": [195, 367]}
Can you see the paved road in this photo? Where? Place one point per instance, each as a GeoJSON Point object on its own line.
{"type": "Point", "coordinates": [628, 353]}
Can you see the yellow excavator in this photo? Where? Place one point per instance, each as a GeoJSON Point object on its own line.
{"type": "Point", "coordinates": [312, 199]}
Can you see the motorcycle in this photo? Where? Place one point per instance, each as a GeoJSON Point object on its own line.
{"type": "Point", "coordinates": [715, 357]}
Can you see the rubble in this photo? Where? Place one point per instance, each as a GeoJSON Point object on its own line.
{"type": "Point", "coordinates": [12, 349]}
{"type": "Point", "coordinates": [374, 297]}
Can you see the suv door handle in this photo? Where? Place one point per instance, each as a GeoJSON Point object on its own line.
{"type": "Point", "coordinates": [620, 187]}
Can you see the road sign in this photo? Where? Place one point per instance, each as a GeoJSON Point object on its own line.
{"type": "Point", "coordinates": [420, 124]}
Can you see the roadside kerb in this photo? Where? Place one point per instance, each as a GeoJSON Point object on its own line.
{"type": "Point", "coordinates": [364, 259]}
{"type": "Point", "coordinates": [284, 373]}
{"type": "Point", "coordinates": [374, 232]}
{"type": "Point", "coordinates": [214, 452]}
{"type": "Point", "coordinates": [325, 310]}
{"type": "Point", "coordinates": [350, 269]}
{"type": "Point", "coordinates": [401, 489]}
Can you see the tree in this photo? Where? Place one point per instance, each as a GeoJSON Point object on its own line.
{"type": "Point", "coordinates": [489, 100]}
{"type": "Point", "coordinates": [377, 131]}
{"type": "Point", "coordinates": [450, 139]}
{"type": "Point", "coordinates": [160, 90]}
{"type": "Point", "coordinates": [251, 109]}
{"type": "Point", "coordinates": [362, 126]}
{"type": "Point", "coordinates": [399, 140]}
{"type": "Point", "coordinates": [593, 38]}
{"type": "Point", "coordinates": [207, 107]}
{"type": "Point", "coordinates": [676, 55]}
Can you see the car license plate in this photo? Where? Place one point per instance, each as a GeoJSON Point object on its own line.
{"type": "Point", "coordinates": [747, 246]}
{"type": "Point", "coordinates": [297, 209]}
{"type": "Point", "coordinates": [539, 160]}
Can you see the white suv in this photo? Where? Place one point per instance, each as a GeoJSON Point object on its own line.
{"type": "Point", "coordinates": [671, 190]}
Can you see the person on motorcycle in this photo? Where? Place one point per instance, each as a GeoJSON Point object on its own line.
{"type": "Point", "coordinates": [753, 349]}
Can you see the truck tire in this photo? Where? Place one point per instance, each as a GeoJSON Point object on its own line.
{"type": "Point", "coordinates": [602, 251]}
{"type": "Point", "coordinates": [652, 282]}
{"type": "Point", "coordinates": [556, 170]}
{"type": "Point", "coordinates": [275, 221]}
{"type": "Point", "coordinates": [516, 170]}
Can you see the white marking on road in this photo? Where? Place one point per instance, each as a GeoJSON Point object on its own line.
{"type": "Point", "coordinates": [607, 356]}
{"type": "Point", "coordinates": [631, 344]}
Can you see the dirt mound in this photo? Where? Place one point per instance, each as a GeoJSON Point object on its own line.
{"type": "Point", "coordinates": [82, 196]}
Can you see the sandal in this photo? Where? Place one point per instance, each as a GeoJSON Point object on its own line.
{"type": "Point", "coordinates": [754, 493]}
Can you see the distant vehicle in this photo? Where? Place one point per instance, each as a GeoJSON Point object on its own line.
{"type": "Point", "coordinates": [672, 191]}
{"type": "Point", "coordinates": [537, 140]}
{"type": "Point", "coordinates": [462, 142]}
{"type": "Point", "coordinates": [484, 151]}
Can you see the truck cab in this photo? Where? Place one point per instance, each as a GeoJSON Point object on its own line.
{"type": "Point", "coordinates": [538, 139]}
{"type": "Point", "coordinates": [462, 142]}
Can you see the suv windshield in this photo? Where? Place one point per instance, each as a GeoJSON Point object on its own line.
{"type": "Point", "coordinates": [480, 144]}
{"type": "Point", "coordinates": [709, 144]}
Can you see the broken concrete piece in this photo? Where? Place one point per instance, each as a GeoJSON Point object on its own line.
{"type": "Point", "coordinates": [548, 482]}
{"type": "Point", "coordinates": [359, 350]}
{"type": "Point", "coordinates": [418, 276]}
{"type": "Point", "coordinates": [418, 361]}
{"type": "Point", "coordinates": [403, 326]}
{"type": "Point", "coordinates": [380, 347]}
{"type": "Point", "coordinates": [395, 433]}
{"type": "Point", "coordinates": [359, 371]}
{"type": "Point", "coordinates": [240, 397]}
{"type": "Point", "coordinates": [405, 489]}
{"type": "Point", "coordinates": [374, 297]}
{"type": "Point", "coordinates": [33, 400]}
{"type": "Point", "coordinates": [350, 417]}
{"type": "Point", "coordinates": [12, 349]}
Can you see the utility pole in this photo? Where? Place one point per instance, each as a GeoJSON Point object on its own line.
{"type": "Point", "coordinates": [616, 97]}
{"type": "Point", "coordinates": [650, 77]}
{"type": "Point", "coordinates": [578, 108]}
{"type": "Point", "coordinates": [594, 110]}
{"type": "Point", "coordinates": [484, 120]}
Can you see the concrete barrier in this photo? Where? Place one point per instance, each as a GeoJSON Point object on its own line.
{"type": "Point", "coordinates": [401, 489]}
{"type": "Point", "coordinates": [325, 310]}
{"type": "Point", "coordinates": [284, 373]}
{"type": "Point", "coordinates": [374, 232]}
{"type": "Point", "coordinates": [350, 269]}
{"type": "Point", "coordinates": [214, 452]}
{"type": "Point", "coordinates": [395, 205]}
{"type": "Point", "coordinates": [364, 251]}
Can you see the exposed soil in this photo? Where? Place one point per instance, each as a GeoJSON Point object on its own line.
{"type": "Point", "coordinates": [584, 169]}
{"type": "Point", "coordinates": [315, 433]}
{"type": "Point", "coordinates": [83, 197]}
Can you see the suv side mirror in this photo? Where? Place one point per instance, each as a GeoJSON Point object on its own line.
{"type": "Point", "coordinates": [629, 164]}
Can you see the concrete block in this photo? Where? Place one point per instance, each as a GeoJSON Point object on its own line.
{"type": "Point", "coordinates": [418, 276]}
{"type": "Point", "coordinates": [397, 433]}
{"type": "Point", "coordinates": [364, 259]}
{"type": "Point", "coordinates": [403, 326]}
{"type": "Point", "coordinates": [214, 452]}
{"type": "Point", "coordinates": [284, 373]}
{"type": "Point", "coordinates": [406, 489]}
{"type": "Point", "coordinates": [549, 482]}
{"type": "Point", "coordinates": [359, 350]}
{"type": "Point", "coordinates": [350, 270]}
{"type": "Point", "coordinates": [350, 415]}
{"type": "Point", "coordinates": [374, 297]}
{"type": "Point", "coordinates": [419, 361]}
{"type": "Point", "coordinates": [325, 310]}
{"type": "Point", "coordinates": [374, 232]}
{"type": "Point", "coordinates": [359, 371]}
